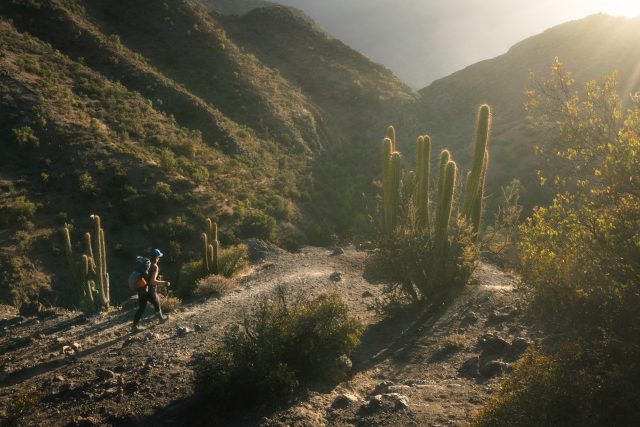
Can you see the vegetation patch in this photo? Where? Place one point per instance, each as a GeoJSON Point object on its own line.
{"type": "Point", "coordinates": [287, 340]}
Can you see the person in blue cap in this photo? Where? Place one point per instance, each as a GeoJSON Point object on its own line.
{"type": "Point", "coordinates": [148, 293]}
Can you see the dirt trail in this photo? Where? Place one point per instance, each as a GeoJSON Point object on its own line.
{"type": "Point", "coordinates": [93, 371]}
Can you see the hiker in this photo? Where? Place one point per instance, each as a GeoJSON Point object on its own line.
{"type": "Point", "coordinates": [148, 293]}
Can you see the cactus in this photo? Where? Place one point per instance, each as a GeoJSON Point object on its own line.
{"type": "Point", "coordinates": [101, 261]}
{"type": "Point", "coordinates": [423, 172]}
{"type": "Point", "coordinates": [92, 264]}
{"type": "Point", "coordinates": [211, 250]}
{"type": "Point", "coordinates": [445, 202]}
{"type": "Point", "coordinates": [387, 149]}
{"type": "Point", "coordinates": [391, 135]}
{"type": "Point", "coordinates": [394, 190]}
{"type": "Point", "coordinates": [472, 204]}
{"type": "Point", "coordinates": [476, 213]}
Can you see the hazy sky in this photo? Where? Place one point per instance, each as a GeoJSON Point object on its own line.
{"type": "Point", "coordinates": [422, 40]}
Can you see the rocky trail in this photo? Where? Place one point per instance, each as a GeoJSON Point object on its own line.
{"type": "Point", "coordinates": [415, 369]}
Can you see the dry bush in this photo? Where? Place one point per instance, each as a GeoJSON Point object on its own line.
{"type": "Point", "coordinates": [214, 285]}
{"type": "Point", "coordinates": [169, 303]}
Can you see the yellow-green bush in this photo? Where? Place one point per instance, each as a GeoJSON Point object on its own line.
{"type": "Point", "coordinates": [213, 285]}
{"type": "Point", "coordinates": [580, 259]}
{"type": "Point", "coordinates": [287, 340]}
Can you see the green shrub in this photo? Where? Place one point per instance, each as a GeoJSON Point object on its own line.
{"type": "Point", "coordinates": [259, 225]}
{"type": "Point", "coordinates": [584, 384]}
{"type": "Point", "coordinates": [19, 211]}
{"type": "Point", "coordinates": [25, 137]}
{"type": "Point", "coordinates": [233, 259]}
{"type": "Point", "coordinates": [286, 341]}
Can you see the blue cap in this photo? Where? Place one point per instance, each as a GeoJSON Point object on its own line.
{"type": "Point", "coordinates": [156, 253]}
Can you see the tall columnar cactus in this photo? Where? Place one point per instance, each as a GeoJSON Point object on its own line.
{"type": "Point", "coordinates": [391, 190]}
{"type": "Point", "coordinates": [445, 203]}
{"type": "Point", "coordinates": [474, 191]}
{"type": "Point", "coordinates": [476, 213]}
{"type": "Point", "coordinates": [101, 261]}
{"type": "Point", "coordinates": [445, 156]}
{"type": "Point", "coordinates": [211, 247]}
{"type": "Point", "coordinates": [387, 149]}
{"type": "Point", "coordinates": [391, 134]}
{"type": "Point", "coordinates": [90, 270]}
{"type": "Point", "coordinates": [423, 171]}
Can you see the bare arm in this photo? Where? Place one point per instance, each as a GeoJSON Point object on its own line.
{"type": "Point", "coordinates": [153, 280]}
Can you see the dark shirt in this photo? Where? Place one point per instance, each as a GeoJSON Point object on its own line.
{"type": "Point", "coordinates": [152, 269]}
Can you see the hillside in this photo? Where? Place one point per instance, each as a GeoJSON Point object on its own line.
{"type": "Point", "coordinates": [409, 370]}
{"type": "Point", "coordinates": [589, 48]}
{"type": "Point", "coordinates": [155, 117]}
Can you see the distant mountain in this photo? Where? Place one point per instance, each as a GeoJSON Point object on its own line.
{"type": "Point", "coordinates": [234, 7]}
{"type": "Point", "coordinates": [589, 48]}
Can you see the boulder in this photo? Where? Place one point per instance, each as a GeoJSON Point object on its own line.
{"type": "Point", "coordinates": [104, 373]}
{"type": "Point", "coordinates": [495, 368]}
{"type": "Point", "coordinates": [336, 276]}
{"type": "Point", "coordinates": [470, 368]}
{"type": "Point", "coordinates": [345, 400]}
{"type": "Point", "coordinates": [492, 344]}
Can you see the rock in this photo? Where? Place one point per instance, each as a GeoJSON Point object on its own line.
{"type": "Point", "coordinates": [104, 373]}
{"type": "Point", "coordinates": [470, 368]}
{"type": "Point", "coordinates": [520, 344]}
{"type": "Point", "coordinates": [396, 400]}
{"type": "Point", "coordinates": [67, 350]}
{"type": "Point", "coordinates": [494, 368]}
{"type": "Point", "coordinates": [367, 294]}
{"type": "Point", "coordinates": [470, 318]}
{"type": "Point", "coordinates": [382, 387]}
{"type": "Point", "coordinates": [59, 378]}
{"type": "Point", "coordinates": [493, 344]}
{"type": "Point", "coordinates": [503, 314]}
{"type": "Point", "coordinates": [345, 400]}
{"type": "Point", "coordinates": [183, 330]}
{"type": "Point", "coordinates": [336, 276]}
{"type": "Point", "coordinates": [75, 346]}
{"type": "Point", "coordinates": [150, 336]}
{"type": "Point", "coordinates": [337, 251]}
{"type": "Point", "coordinates": [198, 327]}
{"type": "Point", "coordinates": [32, 308]}
{"type": "Point", "coordinates": [83, 422]}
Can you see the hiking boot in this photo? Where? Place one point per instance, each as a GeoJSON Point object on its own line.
{"type": "Point", "coordinates": [136, 328]}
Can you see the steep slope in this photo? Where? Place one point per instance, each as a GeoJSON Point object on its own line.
{"type": "Point", "coordinates": [358, 98]}
{"type": "Point", "coordinates": [76, 143]}
{"type": "Point", "coordinates": [590, 48]}
{"type": "Point", "coordinates": [153, 116]}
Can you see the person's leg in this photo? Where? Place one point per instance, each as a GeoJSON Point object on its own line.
{"type": "Point", "coordinates": [155, 300]}
{"type": "Point", "coordinates": [142, 304]}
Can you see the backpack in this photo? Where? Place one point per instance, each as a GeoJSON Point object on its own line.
{"type": "Point", "coordinates": [137, 278]}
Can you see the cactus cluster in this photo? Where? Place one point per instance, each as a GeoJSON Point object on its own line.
{"type": "Point", "coordinates": [438, 228]}
{"type": "Point", "coordinates": [90, 272]}
{"type": "Point", "coordinates": [211, 248]}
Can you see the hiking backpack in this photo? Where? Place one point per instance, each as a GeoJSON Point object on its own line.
{"type": "Point", "coordinates": [137, 278]}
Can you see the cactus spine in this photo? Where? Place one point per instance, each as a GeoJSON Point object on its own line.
{"type": "Point", "coordinates": [445, 202]}
{"type": "Point", "coordinates": [210, 252]}
{"type": "Point", "coordinates": [474, 191]}
{"type": "Point", "coordinates": [423, 171]}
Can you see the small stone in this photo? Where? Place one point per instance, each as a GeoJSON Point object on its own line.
{"type": "Point", "coordinates": [104, 373]}
{"type": "Point", "coordinates": [494, 368]}
{"type": "Point", "coordinates": [75, 346]}
{"type": "Point", "coordinates": [337, 251]}
{"type": "Point", "coordinates": [59, 378]}
{"type": "Point", "coordinates": [336, 276]}
{"type": "Point", "coordinates": [84, 422]}
{"type": "Point", "coordinates": [67, 350]}
{"type": "Point", "coordinates": [345, 400]}
{"type": "Point", "coordinates": [493, 344]}
{"type": "Point", "coordinates": [375, 402]}
{"type": "Point", "coordinates": [367, 294]}
{"type": "Point", "coordinates": [198, 327]}
{"type": "Point", "coordinates": [183, 330]}
{"type": "Point", "coordinates": [470, 318]}
{"type": "Point", "coordinates": [382, 387]}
